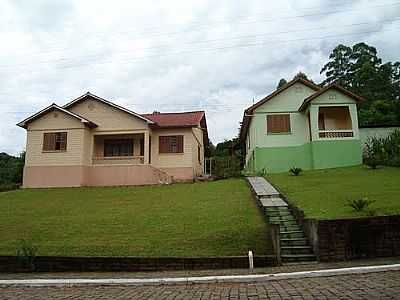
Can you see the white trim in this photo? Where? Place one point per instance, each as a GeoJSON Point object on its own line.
{"type": "Point", "coordinates": [53, 106]}
{"type": "Point", "coordinates": [202, 279]}
{"type": "Point", "coordinates": [108, 103]}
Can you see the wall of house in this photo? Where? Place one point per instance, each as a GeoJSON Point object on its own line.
{"type": "Point", "coordinates": [179, 165]}
{"type": "Point", "coordinates": [336, 118]}
{"type": "Point", "coordinates": [54, 122]}
{"type": "Point", "coordinates": [198, 142]}
{"type": "Point", "coordinates": [107, 117]}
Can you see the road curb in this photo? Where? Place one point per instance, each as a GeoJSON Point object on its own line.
{"type": "Point", "coordinates": [198, 280]}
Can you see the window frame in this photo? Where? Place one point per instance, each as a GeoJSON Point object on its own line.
{"type": "Point", "coordinates": [171, 144]}
{"type": "Point", "coordinates": [272, 124]}
{"type": "Point", "coordinates": [118, 144]}
{"type": "Point", "coordinates": [55, 142]}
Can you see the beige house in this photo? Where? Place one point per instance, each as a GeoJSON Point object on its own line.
{"type": "Point", "coordinates": [94, 142]}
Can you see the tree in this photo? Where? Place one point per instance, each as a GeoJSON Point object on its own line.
{"type": "Point", "coordinates": [359, 69]}
{"type": "Point", "coordinates": [301, 75]}
{"type": "Point", "coordinates": [281, 83]}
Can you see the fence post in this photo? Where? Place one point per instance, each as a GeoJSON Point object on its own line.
{"type": "Point", "coordinates": [276, 242]}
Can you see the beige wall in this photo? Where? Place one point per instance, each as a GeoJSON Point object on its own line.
{"type": "Point", "coordinates": [55, 122]}
{"type": "Point", "coordinates": [336, 118]}
{"type": "Point", "coordinates": [106, 117]}
{"type": "Point", "coordinates": [198, 141]}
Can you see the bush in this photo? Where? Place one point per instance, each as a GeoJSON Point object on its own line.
{"type": "Point", "coordinates": [383, 151]}
{"type": "Point", "coordinates": [8, 187]}
{"type": "Point", "coordinates": [360, 204]}
{"type": "Point", "coordinates": [26, 253]}
{"type": "Point", "coordinates": [295, 171]}
{"type": "Point", "coordinates": [226, 166]}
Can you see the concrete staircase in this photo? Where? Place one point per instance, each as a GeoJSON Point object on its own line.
{"type": "Point", "coordinates": [294, 245]}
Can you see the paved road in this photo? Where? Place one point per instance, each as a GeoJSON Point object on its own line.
{"type": "Point", "coordinates": [382, 285]}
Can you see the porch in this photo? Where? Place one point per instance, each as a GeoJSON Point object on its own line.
{"type": "Point", "coordinates": [132, 148]}
{"type": "Point", "coordinates": [333, 122]}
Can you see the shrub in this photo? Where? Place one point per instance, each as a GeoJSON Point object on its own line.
{"type": "Point", "coordinates": [8, 187]}
{"type": "Point", "coordinates": [383, 151]}
{"type": "Point", "coordinates": [295, 171]}
{"type": "Point", "coordinates": [226, 166]}
{"type": "Point", "coordinates": [26, 253]}
{"type": "Point", "coordinates": [360, 204]}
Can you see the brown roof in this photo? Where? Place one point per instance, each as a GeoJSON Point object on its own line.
{"type": "Point", "coordinates": [182, 119]}
{"type": "Point", "coordinates": [249, 110]}
{"type": "Point", "coordinates": [54, 106]}
{"type": "Point", "coordinates": [329, 87]}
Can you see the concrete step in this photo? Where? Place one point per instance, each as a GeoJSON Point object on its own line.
{"type": "Point", "coordinates": [291, 227]}
{"type": "Point", "coordinates": [289, 234]}
{"type": "Point", "coordinates": [298, 258]}
{"type": "Point", "coordinates": [285, 222]}
{"type": "Point", "coordinates": [282, 218]}
{"type": "Point", "coordinates": [294, 241]}
{"type": "Point", "coordinates": [296, 250]}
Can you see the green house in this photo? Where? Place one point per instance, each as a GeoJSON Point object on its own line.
{"type": "Point", "coordinates": [302, 125]}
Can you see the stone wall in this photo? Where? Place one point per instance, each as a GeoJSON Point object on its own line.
{"type": "Point", "coordinates": [9, 264]}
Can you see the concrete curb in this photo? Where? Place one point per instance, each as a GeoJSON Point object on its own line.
{"type": "Point", "coordinates": [198, 280]}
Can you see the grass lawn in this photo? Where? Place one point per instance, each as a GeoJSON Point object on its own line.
{"type": "Point", "coordinates": [323, 194]}
{"type": "Point", "coordinates": [202, 219]}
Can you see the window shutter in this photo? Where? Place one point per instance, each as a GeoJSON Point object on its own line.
{"type": "Point", "coordinates": [179, 139]}
{"type": "Point", "coordinates": [49, 141]}
{"type": "Point", "coordinates": [162, 144]}
{"type": "Point", "coordinates": [278, 123]}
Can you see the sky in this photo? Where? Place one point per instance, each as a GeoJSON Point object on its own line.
{"type": "Point", "coordinates": [218, 56]}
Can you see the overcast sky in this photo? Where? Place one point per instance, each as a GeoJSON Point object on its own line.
{"type": "Point", "coordinates": [173, 55]}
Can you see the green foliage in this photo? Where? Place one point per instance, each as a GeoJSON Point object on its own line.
{"type": "Point", "coordinates": [11, 169]}
{"type": "Point", "coordinates": [295, 171]}
{"type": "Point", "coordinates": [359, 69]}
{"type": "Point", "coordinates": [26, 253]}
{"type": "Point", "coordinates": [360, 204]}
{"type": "Point", "coordinates": [226, 166]}
{"type": "Point", "coordinates": [383, 151]}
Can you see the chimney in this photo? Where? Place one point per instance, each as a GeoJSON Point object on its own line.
{"type": "Point", "coordinates": [156, 112]}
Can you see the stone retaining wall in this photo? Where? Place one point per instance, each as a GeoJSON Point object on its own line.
{"type": "Point", "coordinates": [11, 264]}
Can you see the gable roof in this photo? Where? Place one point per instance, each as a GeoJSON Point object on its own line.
{"type": "Point", "coordinates": [54, 106]}
{"type": "Point", "coordinates": [88, 94]}
{"type": "Point", "coordinates": [281, 89]}
{"type": "Point", "coordinates": [325, 89]}
{"type": "Point", "coordinates": [182, 119]}
{"type": "Point", "coordinates": [249, 110]}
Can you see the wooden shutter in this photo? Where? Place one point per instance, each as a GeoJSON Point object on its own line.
{"type": "Point", "coordinates": [49, 141]}
{"type": "Point", "coordinates": [278, 123]}
{"type": "Point", "coordinates": [179, 140]}
{"type": "Point", "coordinates": [162, 144]}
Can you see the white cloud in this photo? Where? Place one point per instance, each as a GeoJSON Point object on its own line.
{"type": "Point", "coordinates": [172, 55]}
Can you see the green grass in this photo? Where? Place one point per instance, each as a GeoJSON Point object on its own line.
{"type": "Point", "coordinates": [324, 194]}
{"type": "Point", "coordinates": [202, 219]}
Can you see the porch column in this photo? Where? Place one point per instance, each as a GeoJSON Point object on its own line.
{"type": "Point", "coordinates": [314, 110]}
{"type": "Point", "coordinates": [146, 147]}
{"type": "Point", "coordinates": [354, 120]}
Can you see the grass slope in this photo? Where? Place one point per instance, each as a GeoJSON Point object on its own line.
{"type": "Point", "coordinates": [202, 219]}
{"type": "Point", "coordinates": [324, 194]}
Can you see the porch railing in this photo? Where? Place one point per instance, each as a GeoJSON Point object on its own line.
{"type": "Point", "coordinates": [118, 159]}
{"type": "Point", "coordinates": [336, 133]}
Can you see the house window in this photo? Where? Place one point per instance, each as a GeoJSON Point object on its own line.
{"type": "Point", "coordinates": [118, 147]}
{"type": "Point", "coordinates": [55, 141]}
{"type": "Point", "coordinates": [170, 144]}
{"type": "Point", "coordinates": [278, 123]}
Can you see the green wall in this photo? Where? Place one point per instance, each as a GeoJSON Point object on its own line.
{"type": "Point", "coordinates": [281, 159]}
{"type": "Point", "coordinates": [314, 155]}
{"type": "Point", "coordinates": [332, 154]}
